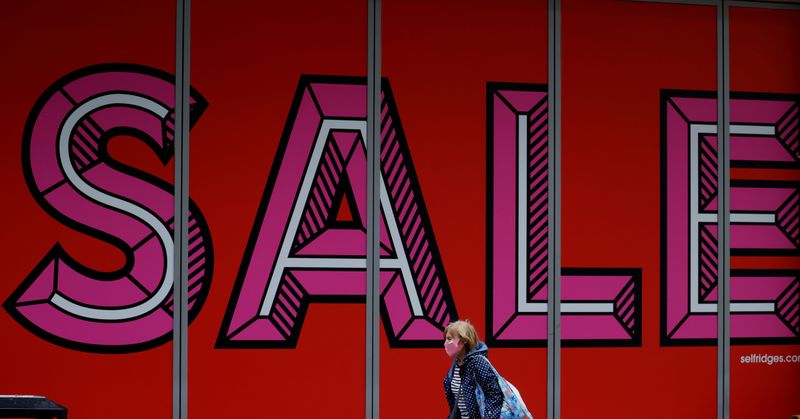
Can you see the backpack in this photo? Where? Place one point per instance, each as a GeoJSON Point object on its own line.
{"type": "Point", "coordinates": [513, 406]}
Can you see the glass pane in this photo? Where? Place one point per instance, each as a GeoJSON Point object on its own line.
{"type": "Point", "coordinates": [465, 85]}
{"type": "Point", "coordinates": [638, 323]}
{"type": "Point", "coordinates": [278, 168]}
{"type": "Point", "coordinates": [765, 184]}
{"type": "Point", "coordinates": [88, 99]}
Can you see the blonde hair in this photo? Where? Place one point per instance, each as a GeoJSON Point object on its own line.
{"type": "Point", "coordinates": [464, 331]}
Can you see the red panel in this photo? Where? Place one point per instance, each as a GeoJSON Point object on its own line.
{"type": "Point", "coordinates": [247, 58]}
{"type": "Point", "coordinates": [439, 57]}
{"type": "Point", "coordinates": [617, 57]}
{"type": "Point", "coordinates": [43, 42]}
{"type": "Point", "coordinates": [247, 61]}
{"type": "Point", "coordinates": [765, 378]}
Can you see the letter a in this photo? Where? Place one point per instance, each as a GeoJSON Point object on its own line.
{"type": "Point", "coordinates": [309, 242]}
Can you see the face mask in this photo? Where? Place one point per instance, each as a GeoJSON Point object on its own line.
{"type": "Point", "coordinates": [453, 347]}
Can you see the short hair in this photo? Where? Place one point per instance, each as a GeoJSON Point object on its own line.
{"type": "Point", "coordinates": [465, 332]}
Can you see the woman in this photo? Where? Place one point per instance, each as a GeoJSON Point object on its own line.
{"type": "Point", "coordinates": [470, 370]}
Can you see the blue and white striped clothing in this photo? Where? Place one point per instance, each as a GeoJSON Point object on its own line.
{"type": "Point", "coordinates": [475, 371]}
{"type": "Point", "coordinates": [455, 386]}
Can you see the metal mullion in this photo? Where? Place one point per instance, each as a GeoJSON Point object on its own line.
{"type": "Point", "coordinates": [689, 2]}
{"type": "Point", "coordinates": [181, 216]}
{"type": "Point", "coordinates": [764, 5]}
{"type": "Point", "coordinates": [731, 3]}
{"type": "Point", "coordinates": [554, 210]}
{"type": "Point", "coordinates": [723, 212]}
{"type": "Point", "coordinates": [373, 208]}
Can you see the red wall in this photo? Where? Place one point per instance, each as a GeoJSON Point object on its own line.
{"type": "Point", "coordinates": [247, 59]}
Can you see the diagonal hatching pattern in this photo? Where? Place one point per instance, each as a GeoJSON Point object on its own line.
{"type": "Point", "coordinates": [707, 271]}
{"type": "Point", "coordinates": [83, 145]}
{"type": "Point", "coordinates": [169, 127]}
{"type": "Point", "coordinates": [788, 130]}
{"type": "Point", "coordinates": [320, 198]}
{"type": "Point", "coordinates": [625, 307]}
{"type": "Point", "coordinates": [197, 260]}
{"type": "Point", "coordinates": [708, 172]}
{"type": "Point", "coordinates": [288, 305]}
{"type": "Point", "coordinates": [788, 306]}
{"type": "Point", "coordinates": [788, 218]}
{"type": "Point", "coordinates": [537, 199]}
{"type": "Point", "coordinates": [397, 171]}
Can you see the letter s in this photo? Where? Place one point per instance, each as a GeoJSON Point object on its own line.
{"type": "Point", "coordinates": [71, 175]}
